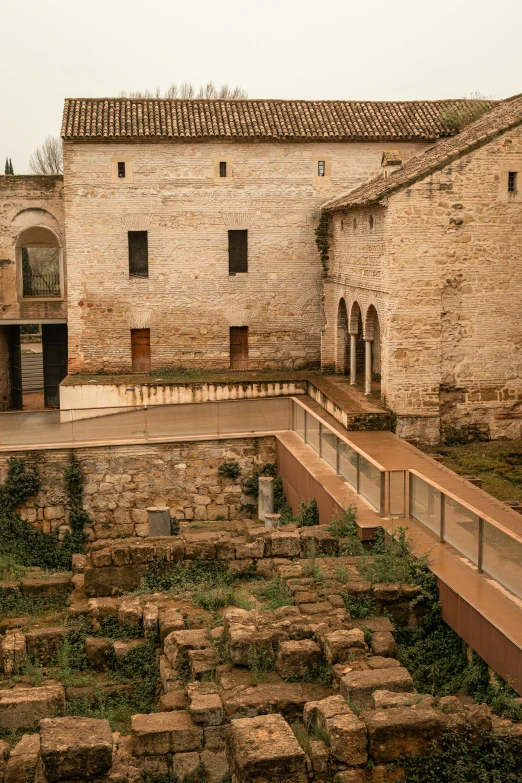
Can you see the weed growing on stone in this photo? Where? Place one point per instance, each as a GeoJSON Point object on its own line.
{"type": "Point", "coordinates": [322, 674]}
{"type": "Point", "coordinates": [251, 484]}
{"type": "Point", "coordinates": [229, 469]}
{"type": "Point", "coordinates": [360, 606]}
{"type": "Point", "coordinates": [260, 664]}
{"type": "Point", "coordinates": [308, 514]}
{"type": "Point", "coordinates": [275, 593]}
{"type": "Point", "coordinates": [186, 575]}
{"type": "Point", "coordinates": [301, 735]}
{"type": "Point", "coordinates": [281, 505]}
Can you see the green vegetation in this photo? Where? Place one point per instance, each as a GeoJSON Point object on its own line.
{"type": "Point", "coordinates": [275, 593]}
{"type": "Point", "coordinates": [281, 505]}
{"type": "Point", "coordinates": [497, 463]}
{"type": "Point", "coordinates": [260, 664]}
{"type": "Point", "coordinates": [251, 485]}
{"type": "Point", "coordinates": [186, 576]}
{"type": "Point", "coordinates": [229, 469]}
{"type": "Point", "coordinates": [308, 514]}
{"type": "Point", "coordinates": [465, 757]}
{"type": "Point", "coordinates": [459, 117]}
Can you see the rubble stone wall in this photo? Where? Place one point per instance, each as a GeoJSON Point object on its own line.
{"type": "Point", "coordinates": [122, 481]}
{"type": "Point", "coordinates": [442, 269]}
{"type": "Point", "coordinates": [189, 301]}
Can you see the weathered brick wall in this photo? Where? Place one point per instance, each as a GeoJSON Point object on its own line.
{"type": "Point", "coordinates": [447, 283]}
{"type": "Point", "coordinates": [26, 202]}
{"type": "Point", "coordinates": [189, 301]}
{"type": "Point", "coordinates": [122, 481]}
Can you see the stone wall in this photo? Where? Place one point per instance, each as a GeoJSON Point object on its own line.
{"type": "Point", "coordinates": [28, 202]}
{"type": "Point", "coordinates": [189, 301]}
{"type": "Point", "coordinates": [122, 481]}
{"type": "Point", "coordinates": [446, 282]}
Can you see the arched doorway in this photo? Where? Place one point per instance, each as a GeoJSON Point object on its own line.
{"type": "Point", "coordinates": [372, 334]}
{"type": "Point", "coordinates": [39, 264]}
{"type": "Point", "coordinates": [342, 346]}
{"type": "Point", "coordinates": [356, 343]}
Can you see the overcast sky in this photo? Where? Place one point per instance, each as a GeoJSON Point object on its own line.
{"type": "Point", "coordinates": [341, 49]}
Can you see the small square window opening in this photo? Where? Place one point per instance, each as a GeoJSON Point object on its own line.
{"type": "Point", "coordinates": [321, 168]}
{"type": "Point", "coordinates": [121, 170]}
{"type": "Point", "coordinates": [512, 182]}
{"type": "Point", "coordinates": [223, 168]}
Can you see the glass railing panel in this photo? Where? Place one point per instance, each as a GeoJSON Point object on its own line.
{"type": "Point", "coordinates": [348, 463]}
{"type": "Point", "coordinates": [109, 424]}
{"type": "Point", "coordinates": [425, 503]}
{"type": "Point", "coordinates": [312, 432]}
{"type": "Point", "coordinates": [329, 446]}
{"type": "Point", "coordinates": [264, 415]}
{"type": "Point", "coordinates": [397, 492]}
{"type": "Point", "coordinates": [370, 482]}
{"type": "Point", "coordinates": [502, 558]}
{"type": "Point", "coordinates": [27, 428]}
{"type": "Point", "coordinates": [174, 421]}
{"type": "Point", "coordinates": [299, 420]}
{"type": "Point", "coordinates": [461, 529]}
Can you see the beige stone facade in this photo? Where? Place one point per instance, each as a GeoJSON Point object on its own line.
{"type": "Point", "coordinates": [439, 263]}
{"type": "Point", "coordinates": [189, 301]}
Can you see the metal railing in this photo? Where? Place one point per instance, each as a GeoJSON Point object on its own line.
{"type": "Point", "coordinates": [365, 475]}
{"type": "Point", "coordinates": [41, 285]}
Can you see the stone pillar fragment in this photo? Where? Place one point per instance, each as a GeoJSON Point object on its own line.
{"type": "Point", "coordinates": [273, 521]}
{"type": "Point", "coordinates": [13, 652]}
{"type": "Point", "coordinates": [265, 497]}
{"type": "Point", "coordinates": [159, 521]}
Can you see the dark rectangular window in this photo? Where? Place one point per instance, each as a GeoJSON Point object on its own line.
{"type": "Point", "coordinates": [237, 252]}
{"type": "Point", "coordinates": [138, 254]}
{"type": "Point", "coordinates": [121, 170]}
{"type": "Point", "coordinates": [512, 182]}
{"type": "Point", "coordinates": [320, 168]}
{"type": "Point", "coordinates": [223, 168]}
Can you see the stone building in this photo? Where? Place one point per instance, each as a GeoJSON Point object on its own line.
{"type": "Point", "coordinates": [424, 280]}
{"type": "Point", "coordinates": [190, 224]}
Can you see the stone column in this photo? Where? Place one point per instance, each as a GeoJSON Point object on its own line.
{"type": "Point", "coordinates": [367, 367]}
{"type": "Point", "coordinates": [266, 497]}
{"type": "Point", "coordinates": [159, 520]}
{"type": "Point", "coordinates": [353, 359]}
{"type": "Point", "coordinates": [273, 521]}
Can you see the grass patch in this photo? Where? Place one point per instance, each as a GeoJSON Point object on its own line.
{"type": "Point", "coordinates": [274, 593]}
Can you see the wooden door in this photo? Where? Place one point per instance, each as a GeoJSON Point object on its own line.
{"type": "Point", "coordinates": [15, 368]}
{"type": "Point", "coordinates": [239, 347]}
{"type": "Point", "coordinates": [54, 351]}
{"type": "Point", "coordinates": [140, 347]}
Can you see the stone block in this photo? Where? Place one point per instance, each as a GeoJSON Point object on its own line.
{"type": "Point", "coordinates": [114, 580]}
{"type": "Point", "coordinates": [44, 644]}
{"type": "Point", "coordinates": [178, 643]}
{"type": "Point", "coordinates": [53, 585]}
{"type": "Point", "coordinates": [150, 620]}
{"type": "Point", "coordinates": [319, 712]}
{"type": "Point", "coordinates": [265, 749]}
{"type": "Point", "coordinates": [23, 708]}
{"type": "Point", "coordinates": [378, 662]}
{"type": "Point", "coordinates": [13, 652]}
{"type": "Point", "coordinates": [348, 740]}
{"type": "Point", "coordinates": [216, 766]}
{"type": "Point", "coordinates": [164, 732]}
{"type": "Point", "coordinates": [23, 760]}
{"type": "Point", "coordinates": [206, 709]}
{"type": "Point", "coordinates": [320, 536]}
{"type": "Point", "coordinates": [185, 764]}
{"type": "Point", "coordinates": [358, 686]}
{"type": "Point", "coordinates": [79, 562]}
{"type": "Point", "coordinates": [402, 731]}
{"type": "Point", "coordinates": [202, 662]}
{"type": "Point", "coordinates": [101, 558]}
{"type": "Point", "coordinates": [245, 641]}
{"type": "Point", "coordinates": [215, 738]}
{"type": "Point", "coordinates": [170, 620]}
{"type": "Point", "coordinates": [141, 552]}
{"type": "Point", "coordinates": [253, 549]}
{"type": "Point", "coordinates": [375, 624]}
{"type": "Point", "coordinates": [168, 676]}
{"type": "Point", "coordinates": [98, 650]}
{"type": "Point", "coordinates": [130, 612]}
{"type": "Point", "coordinates": [122, 648]}
{"type": "Point", "coordinates": [341, 646]}
{"type": "Point", "coordinates": [283, 544]}
{"type": "Point", "coordinates": [101, 609]}
{"type": "Point", "coordinates": [75, 748]}
{"type": "Point", "coordinates": [120, 554]}
{"type": "Point", "coordinates": [382, 700]}
{"type": "Point", "coordinates": [174, 700]}
{"type": "Point", "coordinates": [285, 698]}
{"type": "Point", "coordinates": [383, 643]}
{"type": "Point", "coordinates": [297, 658]}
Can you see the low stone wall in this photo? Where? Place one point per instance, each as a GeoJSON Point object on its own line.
{"type": "Point", "coordinates": [122, 481]}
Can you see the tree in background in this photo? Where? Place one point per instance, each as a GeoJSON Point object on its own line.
{"type": "Point", "coordinates": [187, 90]}
{"type": "Point", "coordinates": [8, 166]}
{"type": "Point", "coordinates": [47, 159]}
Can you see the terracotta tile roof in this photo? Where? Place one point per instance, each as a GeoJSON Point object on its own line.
{"type": "Point", "coordinates": [505, 115]}
{"type": "Point", "coordinates": [86, 119]}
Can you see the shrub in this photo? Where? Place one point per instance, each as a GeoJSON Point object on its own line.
{"type": "Point", "coordinates": [230, 469]}
{"type": "Point", "coordinates": [281, 505]}
{"type": "Point", "coordinates": [251, 485]}
{"type": "Point", "coordinates": [308, 514]}
{"type": "Point", "coordinates": [275, 593]}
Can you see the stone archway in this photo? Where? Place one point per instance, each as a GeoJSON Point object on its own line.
{"type": "Point", "coordinates": [372, 338]}
{"type": "Point", "coordinates": [39, 264]}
